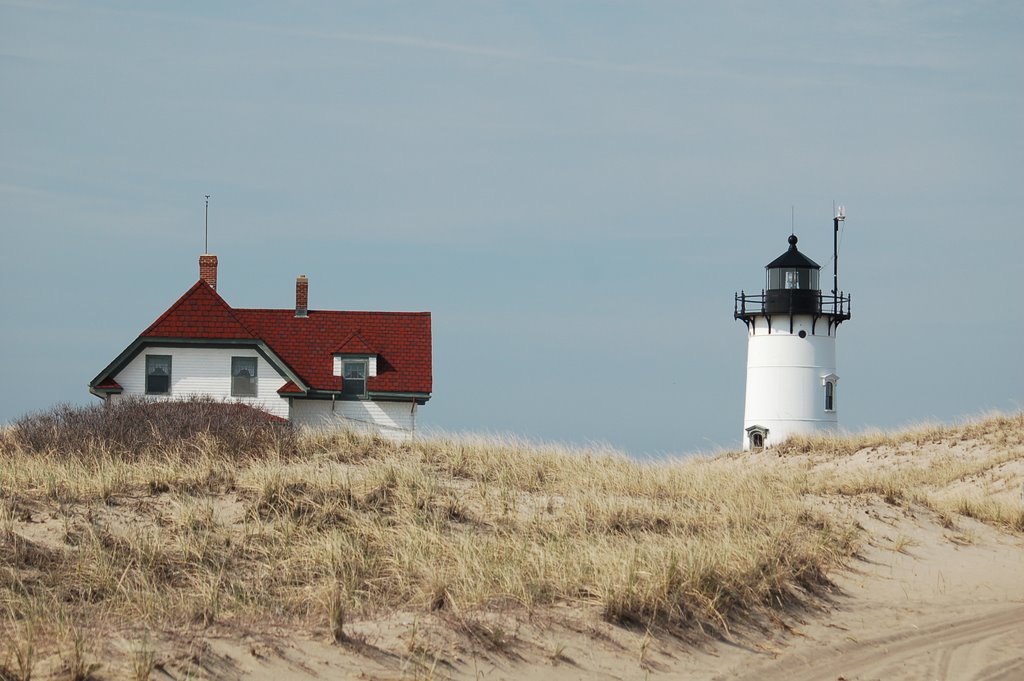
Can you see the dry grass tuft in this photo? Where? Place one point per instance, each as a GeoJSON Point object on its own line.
{"type": "Point", "coordinates": [973, 469]}
{"type": "Point", "coordinates": [1002, 430]}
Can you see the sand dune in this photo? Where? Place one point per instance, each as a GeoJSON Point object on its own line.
{"type": "Point", "coordinates": [934, 590]}
{"type": "Point", "coordinates": [922, 601]}
{"type": "Point", "coordinates": [935, 609]}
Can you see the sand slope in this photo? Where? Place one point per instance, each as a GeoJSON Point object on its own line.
{"type": "Point", "coordinates": [935, 609]}
{"type": "Point", "coordinates": [932, 595]}
{"type": "Point", "coordinates": [922, 601]}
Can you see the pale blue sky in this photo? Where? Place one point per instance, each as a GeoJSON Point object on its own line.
{"type": "Point", "coordinates": [574, 189]}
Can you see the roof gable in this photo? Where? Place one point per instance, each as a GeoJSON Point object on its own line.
{"type": "Point", "coordinates": [199, 313]}
{"type": "Point", "coordinates": [355, 344]}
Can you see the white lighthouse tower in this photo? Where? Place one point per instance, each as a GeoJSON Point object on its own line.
{"type": "Point", "coordinates": [791, 349]}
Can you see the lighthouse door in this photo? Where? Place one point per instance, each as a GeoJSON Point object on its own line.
{"type": "Point", "coordinates": [756, 436]}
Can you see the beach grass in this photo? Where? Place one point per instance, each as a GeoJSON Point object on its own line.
{"type": "Point", "coordinates": [251, 524]}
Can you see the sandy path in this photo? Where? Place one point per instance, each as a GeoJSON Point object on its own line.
{"type": "Point", "coordinates": [939, 610]}
{"type": "Point", "coordinates": [987, 647]}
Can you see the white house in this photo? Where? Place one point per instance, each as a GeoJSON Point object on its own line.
{"type": "Point", "coordinates": [319, 368]}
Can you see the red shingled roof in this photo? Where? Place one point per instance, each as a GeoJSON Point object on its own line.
{"type": "Point", "coordinates": [200, 313]}
{"type": "Point", "coordinates": [401, 340]}
{"type": "Point", "coordinates": [289, 388]}
{"type": "Point", "coordinates": [109, 385]}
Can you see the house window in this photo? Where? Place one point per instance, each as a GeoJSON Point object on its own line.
{"type": "Point", "coordinates": [353, 377]}
{"type": "Point", "coordinates": [243, 376]}
{"type": "Point", "coordinates": [830, 397]}
{"type": "Point", "coordinates": [158, 374]}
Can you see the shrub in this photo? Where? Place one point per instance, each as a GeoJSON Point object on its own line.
{"type": "Point", "coordinates": [134, 426]}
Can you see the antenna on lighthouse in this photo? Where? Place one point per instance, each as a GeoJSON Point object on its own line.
{"type": "Point", "coordinates": [206, 236]}
{"type": "Point", "coordinates": [840, 216]}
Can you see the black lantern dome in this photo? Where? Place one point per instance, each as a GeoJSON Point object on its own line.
{"type": "Point", "coordinates": [792, 282]}
{"type": "Point", "coordinates": [792, 288]}
{"type": "Point", "coordinates": [793, 269]}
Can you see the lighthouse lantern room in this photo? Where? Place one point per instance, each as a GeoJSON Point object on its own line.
{"type": "Point", "coordinates": [791, 349]}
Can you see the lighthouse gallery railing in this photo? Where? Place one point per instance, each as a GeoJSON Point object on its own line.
{"type": "Point", "coordinates": [749, 304]}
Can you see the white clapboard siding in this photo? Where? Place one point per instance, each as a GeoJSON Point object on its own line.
{"type": "Point", "coordinates": [207, 371]}
{"type": "Point", "coordinates": [392, 419]}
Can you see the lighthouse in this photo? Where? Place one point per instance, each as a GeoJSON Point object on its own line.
{"type": "Point", "coordinates": [792, 377]}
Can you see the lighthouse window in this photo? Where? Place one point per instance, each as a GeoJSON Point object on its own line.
{"type": "Point", "coordinates": [829, 396]}
{"type": "Point", "coordinates": [792, 278]}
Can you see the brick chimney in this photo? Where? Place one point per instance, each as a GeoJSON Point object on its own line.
{"type": "Point", "coordinates": [301, 296]}
{"type": "Point", "coordinates": [208, 269]}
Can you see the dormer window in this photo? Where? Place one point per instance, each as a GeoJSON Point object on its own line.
{"type": "Point", "coordinates": [355, 369]}
{"type": "Point", "coordinates": [353, 377]}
